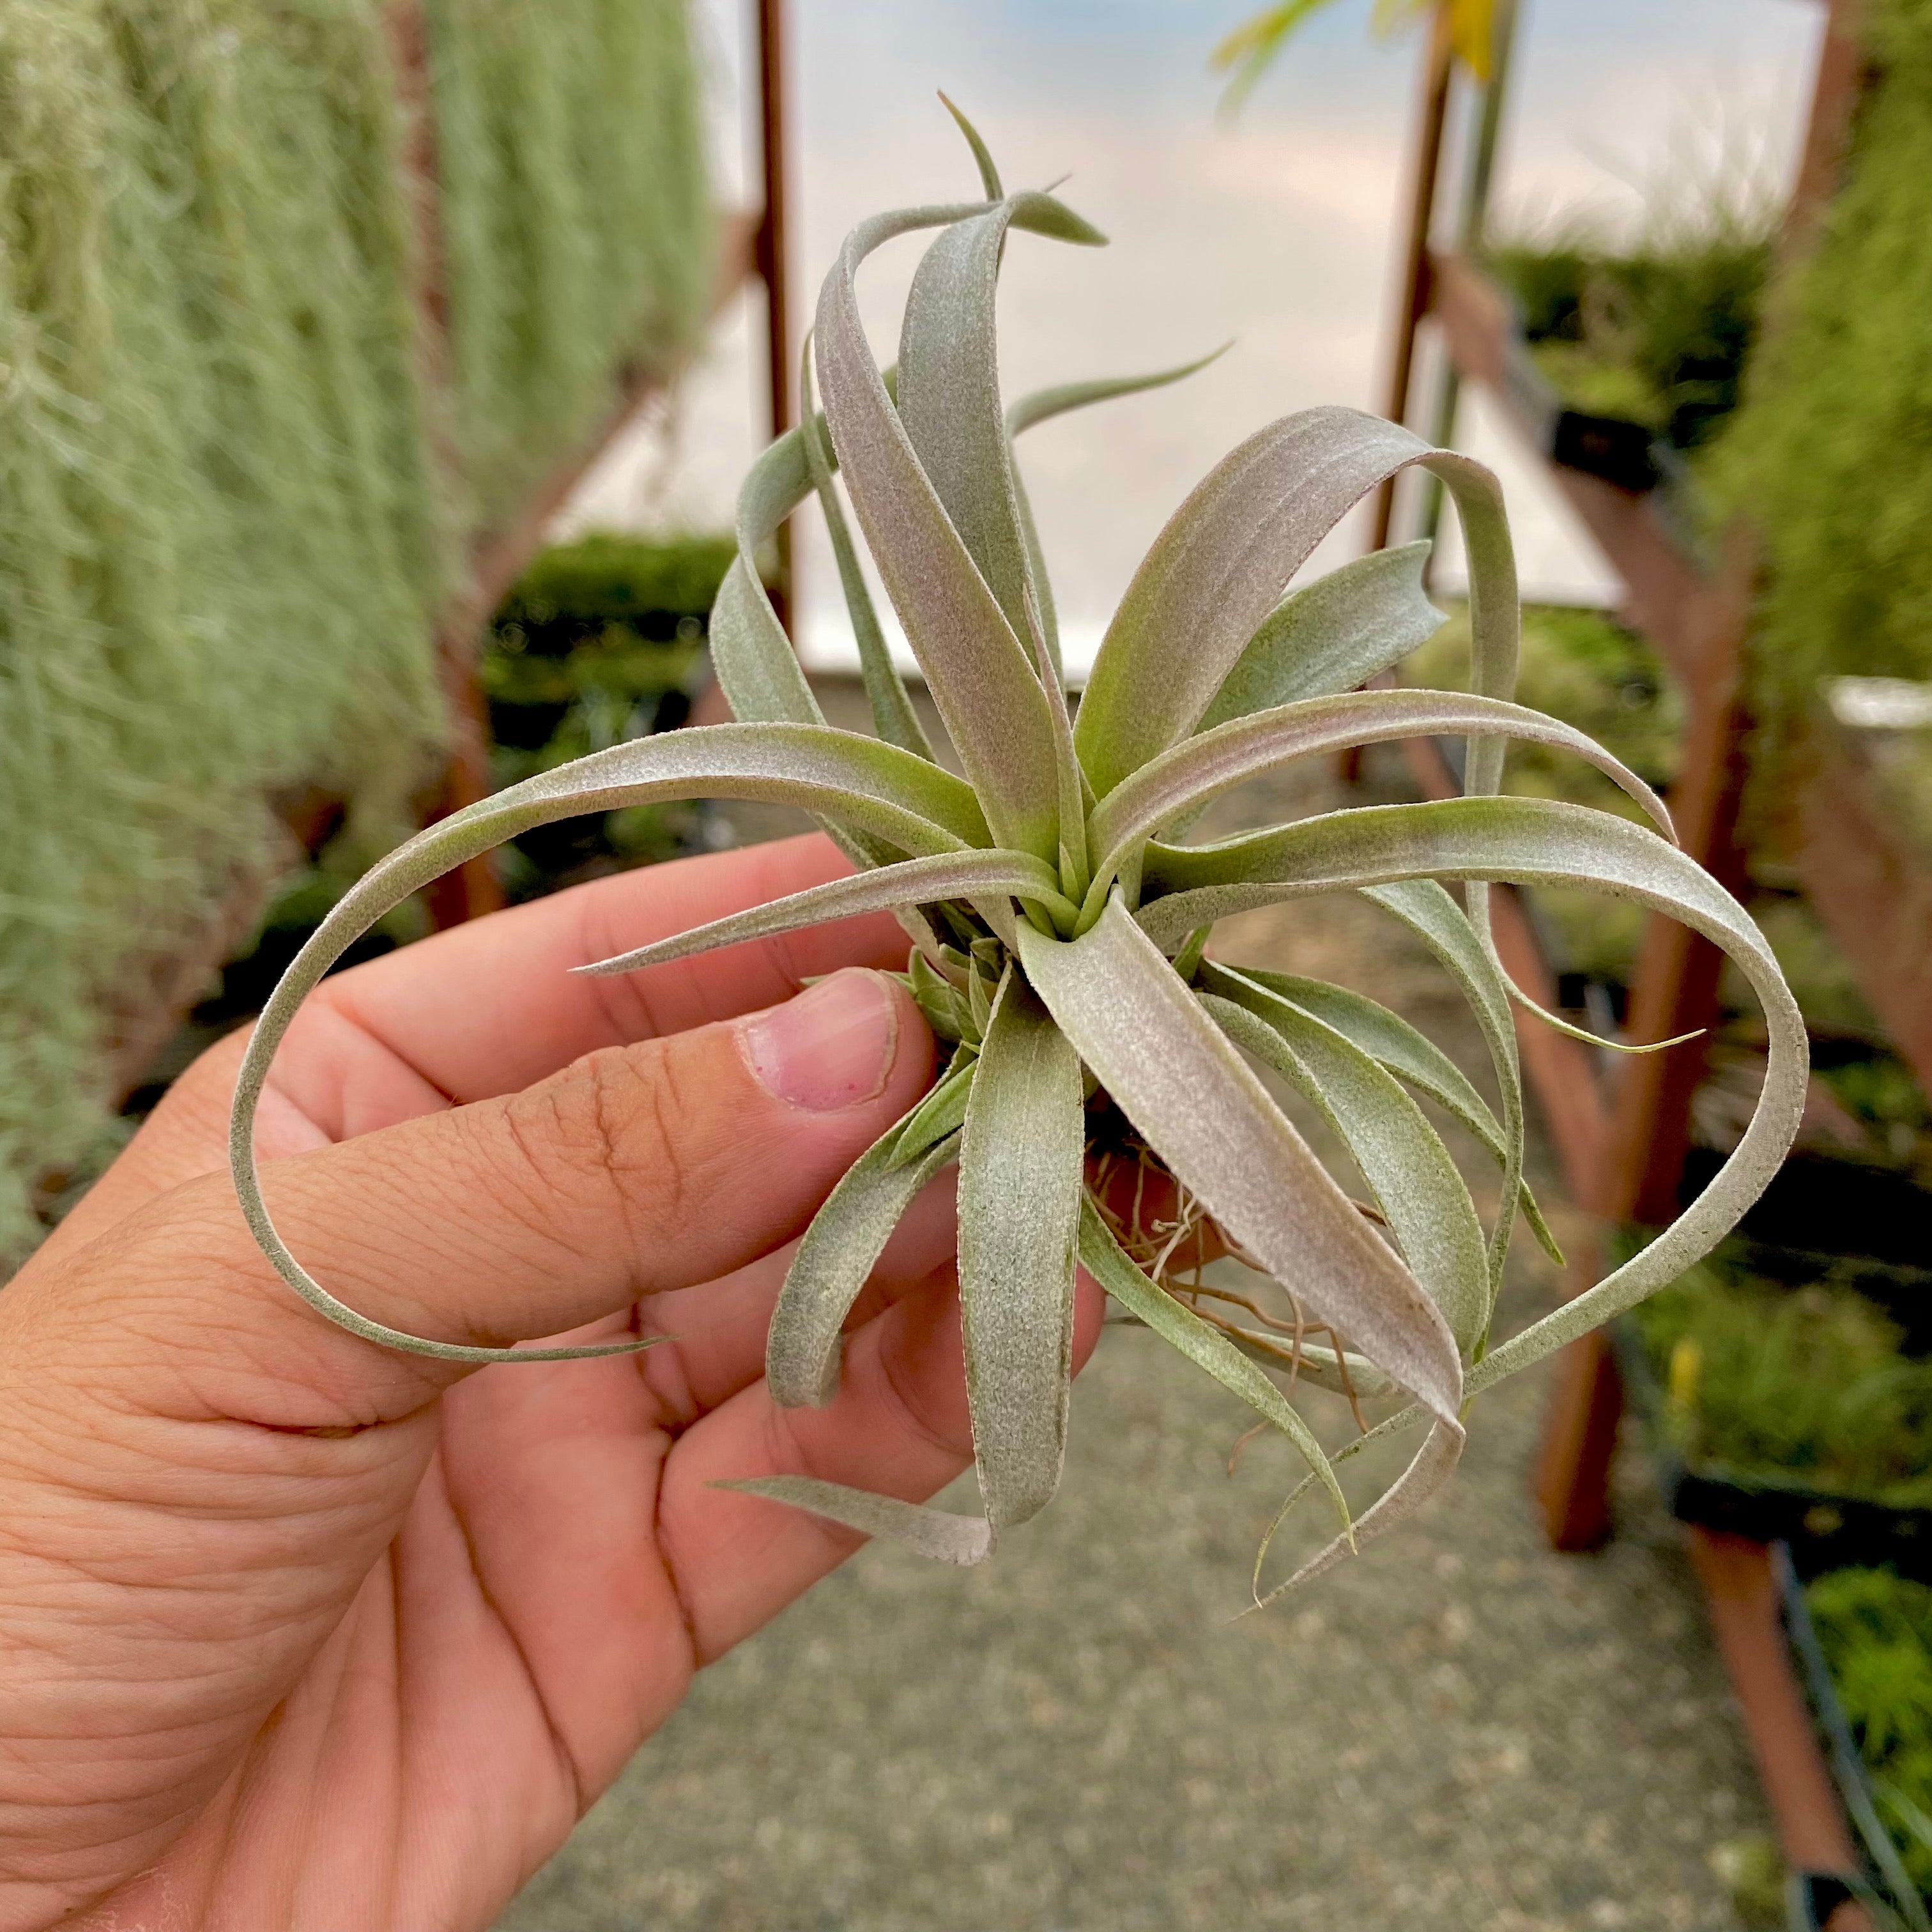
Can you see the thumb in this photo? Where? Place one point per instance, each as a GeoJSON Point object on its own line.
{"type": "Point", "coordinates": [635, 1170]}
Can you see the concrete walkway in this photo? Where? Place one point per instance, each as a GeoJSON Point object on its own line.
{"type": "Point", "coordinates": [1457, 1730]}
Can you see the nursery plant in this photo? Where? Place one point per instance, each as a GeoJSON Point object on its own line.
{"type": "Point", "coordinates": [1875, 1629]}
{"type": "Point", "coordinates": [1101, 1101]}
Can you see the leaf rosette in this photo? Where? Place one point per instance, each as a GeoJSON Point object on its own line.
{"type": "Point", "coordinates": [1059, 919]}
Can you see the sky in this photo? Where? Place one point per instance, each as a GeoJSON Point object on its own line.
{"type": "Point", "coordinates": [1281, 232]}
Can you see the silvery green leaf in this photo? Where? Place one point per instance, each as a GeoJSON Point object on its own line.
{"type": "Point", "coordinates": [882, 790]}
{"type": "Point", "coordinates": [949, 401]}
{"type": "Point", "coordinates": [1200, 768]}
{"type": "Point", "coordinates": [987, 693]}
{"type": "Point", "coordinates": [913, 882]}
{"type": "Point", "coordinates": [941, 1114]}
{"type": "Point", "coordinates": [1021, 1171]}
{"type": "Point", "coordinates": [1432, 1466]}
{"type": "Point", "coordinates": [1409, 1172]}
{"type": "Point", "coordinates": [893, 717]}
{"type": "Point", "coordinates": [1389, 1039]}
{"type": "Point", "coordinates": [1221, 562]}
{"type": "Point", "coordinates": [837, 1253]}
{"type": "Point", "coordinates": [1110, 1264]}
{"type": "Point", "coordinates": [1426, 908]}
{"type": "Point", "coordinates": [943, 1003]}
{"type": "Point", "coordinates": [1339, 632]}
{"type": "Point", "coordinates": [1537, 840]}
{"type": "Point", "coordinates": [1217, 570]}
{"type": "Point", "coordinates": [989, 175]}
{"type": "Point", "coordinates": [945, 1537]}
{"type": "Point", "coordinates": [1040, 406]}
{"type": "Point", "coordinates": [1194, 1099]}
{"type": "Point", "coordinates": [755, 664]}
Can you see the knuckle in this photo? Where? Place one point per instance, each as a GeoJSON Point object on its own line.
{"type": "Point", "coordinates": [611, 1131]}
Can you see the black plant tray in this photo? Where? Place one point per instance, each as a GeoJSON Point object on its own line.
{"type": "Point", "coordinates": [1885, 1870]}
{"type": "Point", "coordinates": [1825, 1529]}
{"type": "Point", "coordinates": [1618, 451]}
{"type": "Point", "coordinates": [1851, 1222]}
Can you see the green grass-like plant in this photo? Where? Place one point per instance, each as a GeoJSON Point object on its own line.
{"type": "Point", "coordinates": [1809, 1383]}
{"type": "Point", "coordinates": [1059, 925]}
{"type": "Point", "coordinates": [1875, 1628]}
{"type": "Point", "coordinates": [1830, 453]}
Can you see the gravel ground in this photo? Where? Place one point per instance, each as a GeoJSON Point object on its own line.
{"type": "Point", "coordinates": [1459, 1729]}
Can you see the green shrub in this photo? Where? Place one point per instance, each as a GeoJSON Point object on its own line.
{"type": "Point", "coordinates": [1656, 332]}
{"type": "Point", "coordinates": [601, 640]}
{"type": "Point", "coordinates": [1875, 1629]}
{"type": "Point", "coordinates": [1808, 1383]}
{"type": "Point", "coordinates": [1831, 452]}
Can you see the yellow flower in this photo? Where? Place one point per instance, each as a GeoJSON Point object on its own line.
{"type": "Point", "coordinates": [1247, 53]}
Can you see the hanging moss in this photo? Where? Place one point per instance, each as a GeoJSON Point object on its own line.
{"type": "Point", "coordinates": [571, 145]}
{"type": "Point", "coordinates": [224, 535]}
{"type": "Point", "coordinates": [1831, 453]}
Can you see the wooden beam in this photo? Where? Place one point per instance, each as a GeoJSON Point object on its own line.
{"type": "Point", "coordinates": [1743, 1598]}
{"type": "Point", "coordinates": [772, 261]}
{"type": "Point", "coordinates": [1438, 69]}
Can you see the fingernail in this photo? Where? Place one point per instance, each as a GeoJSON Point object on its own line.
{"type": "Point", "coordinates": [832, 1047]}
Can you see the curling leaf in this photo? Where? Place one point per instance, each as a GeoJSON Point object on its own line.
{"type": "Point", "coordinates": [1392, 1042]}
{"type": "Point", "coordinates": [1539, 841]}
{"type": "Point", "coordinates": [893, 716]}
{"type": "Point", "coordinates": [1200, 768]}
{"type": "Point", "coordinates": [1433, 1465]}
{"type": "Point", "coordinates": [949, 401]}
{"type": "Point", "coordinates": [937, 1533]}
{"type": "Point", "coordinates": [1191, 1096]}
{"type": "Point", "coordinates": [987, 693]}
{"type": "Point", "coordinates": [1426, 909]}
{"type": "Point", "coordinates": [1408, 1171]}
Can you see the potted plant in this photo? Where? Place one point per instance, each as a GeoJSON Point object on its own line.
{"type": "Point", "coordinates": [1058, 921]}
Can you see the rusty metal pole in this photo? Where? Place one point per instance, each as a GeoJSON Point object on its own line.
{"type": "Point", "coordinates": [771, 249]}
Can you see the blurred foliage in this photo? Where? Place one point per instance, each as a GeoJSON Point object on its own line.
{"type": "Point", "coordinates": [225, 536]}
{"type": "Point", "coordinates": [1247, 53]}
{"type": "Point", "coordinates": [1831, 451]}
{"type": "Point", "coordinates": [600, 640]}
{"type": "Point", "coordinates": [1809, 1383]}
{"type": "Point", "coordinates": [1875, 1628]}
{"type": "Point", "coordinates": [1655, 332]}
{"type": "Point", "coordinates": [574, 214]}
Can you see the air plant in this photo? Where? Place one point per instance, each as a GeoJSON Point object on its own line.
{"type": "Point", "coordinates": [1100, 1102]}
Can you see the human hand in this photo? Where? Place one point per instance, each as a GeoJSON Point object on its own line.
{"type": "Point", "coordinates": [299, 1632]}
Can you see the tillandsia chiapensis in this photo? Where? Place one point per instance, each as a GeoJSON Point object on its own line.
{"type": "Point", "coordinates": [1058, 937]}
